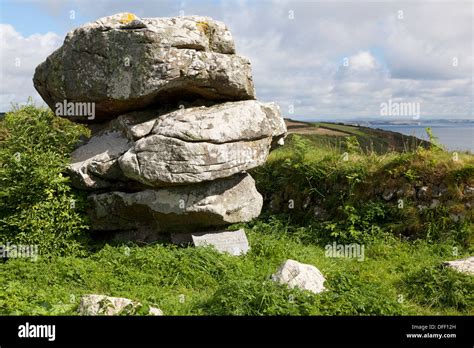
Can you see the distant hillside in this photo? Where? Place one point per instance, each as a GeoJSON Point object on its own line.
{"type": "Point", "coordinates": [378, 140]}
{"type": "Point", "coordinates": [327, 133]}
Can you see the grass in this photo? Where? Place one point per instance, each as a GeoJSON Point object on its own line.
{"type": "Point", "coordinates": [200, 281]}
{"type": "Point", "coordinates": [374, 140]}
{"type": "Point", "coordinates": [353, 130]}
{"type": "Point", "coordinates": [401, 273]}
{"type": "Point", "coordinates": [311, 176]}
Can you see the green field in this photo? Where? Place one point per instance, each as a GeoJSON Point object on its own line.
{"type": "Point", "coordinates": [369, 139]}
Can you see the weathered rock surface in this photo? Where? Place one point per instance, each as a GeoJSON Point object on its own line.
{"type": "Point", "coordinates": [124, 63]}
{"type": "Point", "coordinates": [181, 147]}
{"type": "Point", "coordinates": [105, 305]}
{"type": "Point", "coordinates": [177, 209]}
{"type": "Point", "coordinates": [300, 275]}
{"type": "Point", "coordinates": [94, 165]}
{"type": "Point", "coordinates": [468, 191]}
{"type": "Point", "coordinates": [175, 126]}
{"type": "Point", "coordinates": [463, 265]}
{"type": "Point", "coordinates": [423, 193]}
{"type": "Point", "coordinates": [232, 242]}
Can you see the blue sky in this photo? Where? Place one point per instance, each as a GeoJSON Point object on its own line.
{"type": "Point", "coordinates": [36, 16]}
{"type": "Point", "coordinates": [24, 16]}
{"type": "Point", "coordinates": [399, 51]}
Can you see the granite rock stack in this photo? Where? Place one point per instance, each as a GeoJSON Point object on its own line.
{"type": "Point", "coordinates": [175, 124]}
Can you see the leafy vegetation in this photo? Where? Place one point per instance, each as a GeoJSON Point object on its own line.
{"type": "Point", "coordinates": [369, 139]}
{"type": "Point", "coordinates": [189, 281]}
{"type": "Point", "coordinates": [346, 187]}
{"type": "Point", "coordinates": [440, 287]}
{"type": "Point", "coordinates": [37, 206]}
{"type": "Point", "coordinates": [315, 194]}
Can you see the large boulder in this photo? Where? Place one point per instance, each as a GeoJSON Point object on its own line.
{"type": "Point", "coordinates": [203, 144]}
{"type": "Point", "coordinates": [175, 127]}
{"type": "Point", "coordinates": [160, 161]}
{"type": "Point", "coordinates": [124, 63]}
{"type": "Point", "coordinates": [146, 214]}
{"type": "Point", "coordinates": [95, 164]}
{"type": "Point", "coordinates": [185, 146]}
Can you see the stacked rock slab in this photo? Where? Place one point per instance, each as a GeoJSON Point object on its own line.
{"type": "Point", "coordinates": [176, 124]}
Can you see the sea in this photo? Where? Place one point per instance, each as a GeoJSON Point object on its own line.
{"type": "Point", "coordinates": [455, 136]}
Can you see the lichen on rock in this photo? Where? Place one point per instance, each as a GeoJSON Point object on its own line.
{"type": "Point", "coordinates": [176, 123]}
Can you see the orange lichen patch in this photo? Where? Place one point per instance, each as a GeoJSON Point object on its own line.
{"type": "Point", "coordinates": [127, 18]}
{"type": "Point", "coordinates": [203, 27]}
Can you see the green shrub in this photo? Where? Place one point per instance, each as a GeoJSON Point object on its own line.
{"type": "Point", "coordinates": [350, 295]}
{"type": "Point", "coordinates": [342, 193]}
{"type": "Point", "coordinates": [358, 225]}
{"type": "Point", "coordinates": [352, 144]}
{"type": "Point", "coordinates": [435, 144]}
{"type": "Point", "coordinates": [465, 173]}
{"type": "Point", "coordinates": [260, 297]}
{"type": "Point", "coordinates": [37, 206]}
{"type": "Point", "coordinates": [345, 295]}
{"type": "Point", "coordinates": [440, 287]}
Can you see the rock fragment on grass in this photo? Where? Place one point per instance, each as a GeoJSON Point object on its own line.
{"type": "Point", "coordinates": [300, 275]}
{"type": "Point", "coordinates": [234, 243]}
{"type": "Point", "coordinates": [105, 305]}
{"type": "Point", "coordinates": [463, 265]}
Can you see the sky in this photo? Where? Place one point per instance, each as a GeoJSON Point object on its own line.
{"type": "Point", "coordinates": [319, 60]}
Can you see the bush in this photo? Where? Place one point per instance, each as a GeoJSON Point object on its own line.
{"type": "Point", "coordinates": [440, 287]}
{"type": "Point", "coordinates": [264, 297]}
{"type": "Point", "coordinates": [346, 295]}
{"type": "Point", "coordinates": [37, 206]}
{"type": "Point", "coordinates": [357, 225]}
{"type": "Point", "coordinates": [343, 194]}
{"type": "Point", "coordinates": [350, 295]}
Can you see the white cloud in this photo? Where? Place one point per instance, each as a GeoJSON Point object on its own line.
{"type": "Point", "coordinates": [299, 61]}
{"type": "Point", "coordinates": [413, 53]}
{"type": "Point", "coordinates": [19, 58]}
{"type": "Point", "coordinates": [362, 61]}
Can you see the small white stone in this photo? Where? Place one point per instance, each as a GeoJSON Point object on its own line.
{"type": "Point", "coordinates": [233, 242]}
{"type": "Point", "coordinates": [300, 275]}
{"type": "Point", "coordinates": [463, 265]}
{"type": "Point", "coordinates": [155, 311]}
{"type": "Point", "coordinates": [105, 305]}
